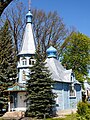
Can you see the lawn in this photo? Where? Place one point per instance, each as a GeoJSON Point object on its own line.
{"type": "Point", "coordinates": [69, 117]}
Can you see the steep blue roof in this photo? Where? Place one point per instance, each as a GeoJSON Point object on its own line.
{"type": "Point", "coordinates": [51, 52]}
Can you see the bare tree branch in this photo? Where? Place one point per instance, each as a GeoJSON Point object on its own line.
{"type": "Point", "coordinates": [3, 5]}
{"type": "Point", "coordinates": [16, 20]}
{"type": "Point", "coordinates": [47, 27]}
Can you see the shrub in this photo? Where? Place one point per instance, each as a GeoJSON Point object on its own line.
{"type": "Point", "coordinates": [82, 108]}
{"type": "Point", "coordinates": [83, 111]}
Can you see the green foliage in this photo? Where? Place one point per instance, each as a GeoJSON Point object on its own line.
{"type": "Point", "coordinates": [76, 54]}
{"type": "Point", "coordinates": [7, 63]}
{"type": "Point", "coordinates": [83, 111]}
{"type": "Point", "coordinates": [56, 119]}
{"type": "Point", "coordinates": [40, 97]}
{"type": "Point", "coordinates": [82, 108]}
{"type": "Point", "coordinates": [68, 117]}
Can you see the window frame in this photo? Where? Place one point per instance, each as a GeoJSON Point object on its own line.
{"type": "Point", "coordinates": [24, 61]}
{"type": "Point", "coordinates": [72, 88]}
{"type": "Point", "coordinates": [31, 61]}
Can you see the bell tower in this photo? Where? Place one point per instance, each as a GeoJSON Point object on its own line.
{"type": "Point", "coordinates": [27, 52]}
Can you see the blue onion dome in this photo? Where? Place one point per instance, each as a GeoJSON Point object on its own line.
{"type": "Point", "coordinates": [29, 17]}
{"type": "Point", "coordinates": [51, 52]}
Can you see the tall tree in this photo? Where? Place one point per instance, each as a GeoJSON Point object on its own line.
{"type": "Point", "coordinates": [16, 20]}
{"type": "Point", "coordinates": [40, 97]}
{"type": "Point", "coordinates": [7, 63]}
{"type": "Point", "coordinates": [48, 29]}
{"type": "Point", "coordinates": [76, 54]}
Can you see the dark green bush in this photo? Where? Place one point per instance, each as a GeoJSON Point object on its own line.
{"type": "Point", "coordinates": [82, 108]}
{"type": "Point", "coordinates": [83, 111]}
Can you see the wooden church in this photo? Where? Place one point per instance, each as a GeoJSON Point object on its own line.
{"type": "Point", "coordinates": [67, 88]}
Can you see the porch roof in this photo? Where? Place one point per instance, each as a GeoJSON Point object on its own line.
{"type": "Point", "coordinates": [17, 87]}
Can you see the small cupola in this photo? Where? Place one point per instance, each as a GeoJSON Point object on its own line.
{"type": "Point", "coordinates": [29, 17]}
{"type": "Point", "coordinates": [51, 52]}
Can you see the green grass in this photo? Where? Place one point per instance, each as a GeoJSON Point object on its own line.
{"type": "Point", "coordinates": [69, 117]}
{"type": "Point", "coordinates": [1, 119]}
{"type": "Point", "coordinates": [55, 119]}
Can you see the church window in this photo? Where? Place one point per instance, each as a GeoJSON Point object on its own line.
{"type": "Point", "coordinates": [72, 92]}
{"type": "Point", "coordinates": [29, 61]}
{"type": "Point", "coordinates": [72, 77]}
{"type": "Point", "coordinates": [24, 62]}
{"type": "Point", "coordinates": [20, 97]}
{"type": "Point", "coordinates": [32, 62]}
{"type": "Point", "coordinates": [23, 75]}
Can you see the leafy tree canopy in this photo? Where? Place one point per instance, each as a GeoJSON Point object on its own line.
{"type": "Point", "coordinates": [76, 54]}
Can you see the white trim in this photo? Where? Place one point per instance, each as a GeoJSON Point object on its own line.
{"type": "Point", "coordinates": [20, 109]}
{"type": "Point", "coordinates": [8, 106]}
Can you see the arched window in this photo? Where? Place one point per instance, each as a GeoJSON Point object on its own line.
{"type": "Point", "coordinates": [32, 62]}
{"type": "Point", "coordinates": [72, 91]}
{"type": "Point", "coordinates": [29, 61]}
{"type": "Point", "coordinates": [24, 61]}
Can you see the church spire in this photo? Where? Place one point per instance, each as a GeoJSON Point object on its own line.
{"type": "Point", "coordinates": [29, 14]}
{"type": "Point", "coordinates": [28, 44]}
